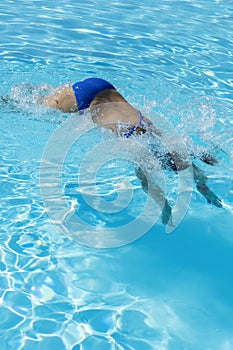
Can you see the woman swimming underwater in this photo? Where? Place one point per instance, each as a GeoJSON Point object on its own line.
{"type": "Point", "coordinates": [110, 110]}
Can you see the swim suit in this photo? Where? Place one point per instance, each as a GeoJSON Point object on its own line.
{"type": "Point", "coordinates": [85, 91]}
{"type": "Point", "coordinates": [141, 124]}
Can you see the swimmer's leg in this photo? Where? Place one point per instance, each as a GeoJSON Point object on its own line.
{"type": "Point", "coordinates": [157, 194]}
{"type": "Point", "coordinates": [201, 184]}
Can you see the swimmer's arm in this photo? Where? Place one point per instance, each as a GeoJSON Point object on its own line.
{"type": "Point", "coordinates": [63, 98]}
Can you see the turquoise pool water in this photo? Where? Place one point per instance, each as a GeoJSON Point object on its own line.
{"type": "Point", "coordinates": [162, 291]}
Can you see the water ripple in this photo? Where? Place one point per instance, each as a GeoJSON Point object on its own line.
{"type": "Point", "coordinates": [136, 42]}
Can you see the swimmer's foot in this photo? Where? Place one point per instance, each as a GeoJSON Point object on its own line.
{"type": "Point", "coordinates": [166, 213]}
{"type": "Point", "coordinates": [201, 183]}
{"type": "Point", "coordinates": [210, 196]}
{"type": "Point", "coordinates": [208, 159]}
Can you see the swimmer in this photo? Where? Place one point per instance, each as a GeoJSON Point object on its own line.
{"type": "Point", "coordinates": [108, 107]}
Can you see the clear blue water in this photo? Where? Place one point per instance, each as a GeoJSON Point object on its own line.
{"type": "Point", "coordinates": [165, 292]}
